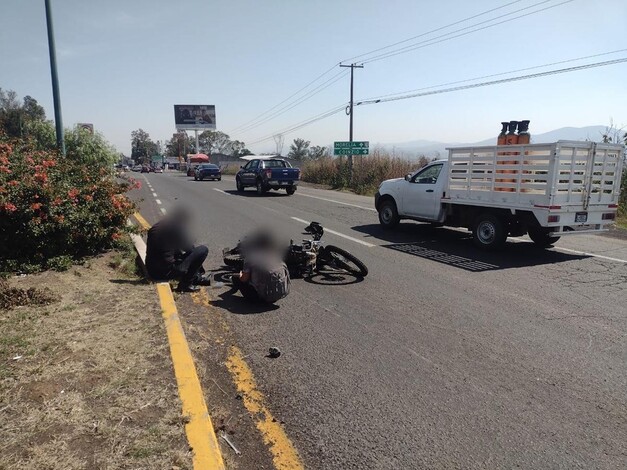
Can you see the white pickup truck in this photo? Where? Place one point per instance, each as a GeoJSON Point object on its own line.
{"type": "Point", "coordinates": [544, 190]}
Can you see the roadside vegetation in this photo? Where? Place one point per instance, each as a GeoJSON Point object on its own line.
{"type": "Point", "coordinates": [54, 209]}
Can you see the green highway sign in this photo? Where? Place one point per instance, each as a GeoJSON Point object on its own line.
{"type": "Point", "coordinates": [349, 151]}
{"type": "Point", "coordinates": [351, 145]}
{"type": "Point", "coordinates": [351, 148]}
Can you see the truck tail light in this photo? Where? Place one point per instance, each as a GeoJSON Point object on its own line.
{"type": "Point", "coordinates": [612, 206]}
{"type": "Point", "coordinates": [609, 216]}
{"type": "Point", "coordinates": [269, 174]}
{"type": "Point", "coordinates": [554, 218]}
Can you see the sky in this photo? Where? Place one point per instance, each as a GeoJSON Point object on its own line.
{"type": "Point", "coordinates": [124, 64]}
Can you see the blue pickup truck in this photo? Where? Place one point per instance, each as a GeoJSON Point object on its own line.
{"type": "Point", "coordinates": [267, 174]}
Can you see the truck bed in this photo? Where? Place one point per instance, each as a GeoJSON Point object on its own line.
{"type": "Point", "coordinates": [562, 174]}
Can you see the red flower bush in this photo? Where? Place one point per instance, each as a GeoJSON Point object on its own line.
{"type": "Point", "coordinates": [53, 206]}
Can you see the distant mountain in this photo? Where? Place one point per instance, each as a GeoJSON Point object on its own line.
{"type": "Point", "coordinates": [429, 148]}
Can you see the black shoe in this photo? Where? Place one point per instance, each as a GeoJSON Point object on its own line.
{"type": "Point", "coordinates": [204, 280]}
{"type": "Point", "coordinates": [187, 288]}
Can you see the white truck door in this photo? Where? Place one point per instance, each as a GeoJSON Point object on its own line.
{"type": "Point", "coordinates": [421, 194]}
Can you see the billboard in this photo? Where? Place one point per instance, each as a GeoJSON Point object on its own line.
{"type": "Point", "coordinates": [194, 116]}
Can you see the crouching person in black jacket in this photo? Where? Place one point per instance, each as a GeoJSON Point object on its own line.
{"type": "Point", "coordinates": [170, 253]}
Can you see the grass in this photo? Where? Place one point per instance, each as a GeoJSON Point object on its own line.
{"type": "Point", "coordinates": [93, 387]}
{"type": "Point", "coordinates": [368, 172]}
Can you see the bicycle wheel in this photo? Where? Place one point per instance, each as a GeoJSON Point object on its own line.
{"type": "Point", "coordinates": [335, 257]}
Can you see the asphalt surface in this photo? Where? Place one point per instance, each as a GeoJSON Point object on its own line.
{"type": "Point", "coordinates": [444, 356]}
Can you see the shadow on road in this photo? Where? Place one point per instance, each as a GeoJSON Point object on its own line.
{"type": "Point", "coordinates": [456, 249]}
{"type": "Point", "coordinates": [251, 192]}
{"type": "Point", "coordinates": [333, 278]}
{"type": "Point", "coordinates": [232, 299]}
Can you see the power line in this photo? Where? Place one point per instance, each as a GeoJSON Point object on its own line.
{"type": "Point", "coordinates": [352, 59]}
{"type": "Point", "coordinates": [494, 82]}
{"type": "Point", "coordinates": [257, 120]}
{"type": "Point", "coordinates": [302, 124]}
{"type": "Point", "coordinates": [443, 37]}
{"type": "Point", "coordinates": [302, 99]}
{"type": "Point", "coordinates": [338, 109]}
{"type": "Point", "coordinates": [500, 74]}
{"type": "Point", "coordinates": [288, 98]}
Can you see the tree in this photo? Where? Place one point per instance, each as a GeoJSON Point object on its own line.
{"type": "Point", "coordinates": [179, 145]}
{"type": "Point", "coordinates": [299, 149]}
{"type": "Point", "coordinates": [15, 117]}
{"type": "Point", "coordinates": [317, 152]}
{"type": "Point", "coordinates": [613, 134]}
{"type": "Point", "coordinates": [142, 147]}
{"type": "Point", "coordinates": [214, 142]}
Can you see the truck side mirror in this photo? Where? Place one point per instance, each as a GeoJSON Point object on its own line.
{"type": "Point", "coordinates": [241, 167]}
{"type": "Point", "coordinates": [408, 177]}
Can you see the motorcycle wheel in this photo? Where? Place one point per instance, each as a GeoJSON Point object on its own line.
{"type": "Point", "coordinates": [234, 261]}
{"type": "Point", "coordinates": [336, 257]}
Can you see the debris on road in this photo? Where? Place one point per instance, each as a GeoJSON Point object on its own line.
{"type": "Point", "coordinates": [231, 445]}
{"type": "Point", "coordinates": [273, 353]}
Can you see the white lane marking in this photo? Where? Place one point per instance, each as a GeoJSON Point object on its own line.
{"type": "Point", "coordinates": [356, 240]}
{"type": "Point", "coordinates": [163, 211]}
{"type": "Point", "coordinates": [220, 191]}
{"type": "Point", "coordinates": [158, 201]}
{"type": "Point", "coordinates": [584, 253]}
{"type": "Point", "coordinates": [154, 194]}
{"type": "Point", "coordinates": [338, 202]}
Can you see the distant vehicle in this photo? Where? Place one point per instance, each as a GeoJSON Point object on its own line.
{"type": "Point", "coordinates": [544, 190]}
{"type": "Point", "coordinates": [137, 168]}
{"type": "Point", "coordinates": [267, 174]}
{"type": "Point", "coordinates": [207, 171]}
{"type": "Point", "coordinates": [158, 169]}
{"type": "Point", "coordinates": [145, 169]}
{"type": "Point", "coordinates": [126, 168]}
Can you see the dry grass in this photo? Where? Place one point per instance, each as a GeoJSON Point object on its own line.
{"type": "Point", "coordinates": [368, 172]}
{"type": "Point", "coordinates": [91, 385]}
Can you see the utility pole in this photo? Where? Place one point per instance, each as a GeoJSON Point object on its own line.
{"type": "Point", "coordinates": [350, 114]}
{"type": "Point", "coordinates": [58, 120]}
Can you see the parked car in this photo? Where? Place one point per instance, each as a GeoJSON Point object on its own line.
{"type": "Point", "coordinates": [267, 174]}
{"type": "Point", "coordinates": [158, 169]}
{"type": "Point", "coordinates": [207, 171]}
{"type": "Point", "coordinates": [145, 169]}
{"type": "Point", "coordinates": [137, 168]}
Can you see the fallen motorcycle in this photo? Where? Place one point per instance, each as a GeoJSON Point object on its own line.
{"type": "Point", "coordinates": [307, 258]}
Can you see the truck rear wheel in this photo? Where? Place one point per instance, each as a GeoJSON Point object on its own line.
{"type": "Point", "coordinates": [290, 190]}
{"type": "Point", "coordinates": [388, 215]}
{"type": "Point", "coordinates": [488, 232]}
{"type": "Point", "coordinates": [542, 238]}
{"type": "Point", "coordinates": [239, 184]}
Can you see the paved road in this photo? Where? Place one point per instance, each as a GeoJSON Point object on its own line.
{"type": "Point", "coordinates": [443, 357]}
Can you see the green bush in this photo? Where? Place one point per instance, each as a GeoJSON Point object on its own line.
{"type": "Point", "coordinates": [54, 209]}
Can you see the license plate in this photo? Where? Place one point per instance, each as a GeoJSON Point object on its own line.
{"type": "Point", "coordinates": [581, 217]}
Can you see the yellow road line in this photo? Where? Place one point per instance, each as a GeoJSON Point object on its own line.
{"type": "Point", "coordinates": [143, 222]}
{"type": "Point", "coordinates": [199, 429]}
{"type": "Point", "coordinates": [284, 455]}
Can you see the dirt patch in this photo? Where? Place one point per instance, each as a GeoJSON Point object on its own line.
{"type": "Point", "coordinates": [87, 382]}
{"type": "Point", "coordinates": [11, 297]}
